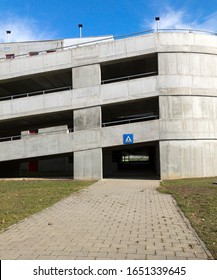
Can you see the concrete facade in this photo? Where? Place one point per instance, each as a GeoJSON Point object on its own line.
{"type": "Point", "coordinates": [160, 87]}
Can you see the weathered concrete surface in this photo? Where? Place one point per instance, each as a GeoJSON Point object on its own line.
{"type": "Point", "coordinates": [112, 219]}
{"type": "Point", "coordinates": [88, 118]}
{"type": "Point", "coordinates": [118, 49]}
{"type": "Point", "coordinates": [86, 76]}
{"type": "Point", "coordinates": [61, 142]}
{"type": "Point", "coordinates": [78, 98]}
{"type": "Point", "coordinates": [188, 158]}
{"type": "Point", "coordinates": [36, 146]}
{"type": "Point", "coordinates": [186, 86]}
{"type": "Point", "coordinates": [24, 48]}
{"type": "Point", "coordinates": [158, 42]}
{"type": "Point", "coordinates": [88, 164]}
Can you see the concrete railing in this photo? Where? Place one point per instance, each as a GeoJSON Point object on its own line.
{"type": "Point", "coordinates": [131, 120]}
{"type": "Point", "coordinates": [29, 135]}
{"type": "Point", "coordinates": [124, 78]}
{"type": "Point", "coordinates": [81, 44]}
{"type": "Point", "coordinates": [185, 30]}
{"type": "Point", "coordinates": [61, 142]}
{"type": "Point", "coordinates": [119, 37]}
{"type": "Point", "coordinates": [37, 146]}
{"type": "Point", "coordinates": [47, 91]}
{"type": "Point", "coordinates": [34, 93]}
{"type": "Point", "coordinates": [105, 124]}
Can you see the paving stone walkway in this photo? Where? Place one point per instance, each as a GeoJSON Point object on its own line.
{"type": "Point", "coordinates": [112, 219]}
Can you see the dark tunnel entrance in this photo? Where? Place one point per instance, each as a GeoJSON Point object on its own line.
{"type": "Point", "coordinates": [133, 161]}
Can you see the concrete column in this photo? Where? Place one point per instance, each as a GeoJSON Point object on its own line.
{"type": "Point", "coordinates": [157, 159]}
{"type": "Point", "coordinates": [86, 76]}
{"type": "Point", "coordinates": [87, 118]}
{"type": "Point", "coordinates": [88, 164]}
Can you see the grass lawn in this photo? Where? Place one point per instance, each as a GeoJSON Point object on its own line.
{"type": "Point", "coordinates": [197, 198]}
{"type": "Point", "coordinates": [20, 199]}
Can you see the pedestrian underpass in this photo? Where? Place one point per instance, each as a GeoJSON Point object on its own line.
{"type": "Point", "coordinates": [132, 161]}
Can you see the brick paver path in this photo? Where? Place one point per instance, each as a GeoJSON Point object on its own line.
{"type": "Point", "coordinates": [112, 219]}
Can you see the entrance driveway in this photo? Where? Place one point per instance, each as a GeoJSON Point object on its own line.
{"type": "Point", "coordinates": [112, 219]}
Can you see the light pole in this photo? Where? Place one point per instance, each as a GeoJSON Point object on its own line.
{"type": "Point", "coordinates": [8, 32]}
{"type": "Point", "coordinates": [80, 27]}
{"type": "Point", "coordinates": [157, 19]}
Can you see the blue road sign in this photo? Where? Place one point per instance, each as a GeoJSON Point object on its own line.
{"type": "Point", "coordinates": [128, 139]}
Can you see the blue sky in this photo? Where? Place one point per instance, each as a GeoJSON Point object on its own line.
{"type": "Point", "coordinates": [51, 19]}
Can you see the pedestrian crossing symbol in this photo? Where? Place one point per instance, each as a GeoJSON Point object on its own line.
{"type": "Point", "coordinates": [128, 139]}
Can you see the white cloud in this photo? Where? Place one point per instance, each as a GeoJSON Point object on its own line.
{"type": "Point", "coordinates": [173, 19]}
{"type": "Point", "coordinates": [209, 23]}
{"type": "Point", "coordinates": [21, 30]}
{"type": "Point", "coordinates": [181, 19]}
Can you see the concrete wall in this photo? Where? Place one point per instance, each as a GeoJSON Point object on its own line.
{"type": "Point", "coordinates": [187, 73]}
{"type": "Point", "coordinates": [188, 117]}
{"type": "Point", "coordinates": [36, 146]}
{"type": "Point", "coordinates": [187, 159]}
{"type": "Point", "coordinates": [22, 48]}
{"type": "Point", "coordinates": [79, 98]}
{"type": "Point", "coordinates": [186, 86]}
{"type": "Point", "coordinates": [107, 51]}
{"type": "Point", "coordinates": [188, 113]}
{"type": "Point", "coordinates": [142, 131]}
{"type": "Point", "coordinates": [36, 64]}
{"type": "Point", "coordinates": [88, 164]}
{"type": "Point", "coordinates": [62, 142]}
{"type": "Point", "coordinates": [79, 56]}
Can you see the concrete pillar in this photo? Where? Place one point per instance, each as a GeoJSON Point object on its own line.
{"type": "Point", "coordinates": [157, 159]}
{"type": "Point", "coordinates": [87, 118]}
{"type": "Point", "coordinates": [86, 76]}
{"type": "Point", "coordinates": [88, 164]}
